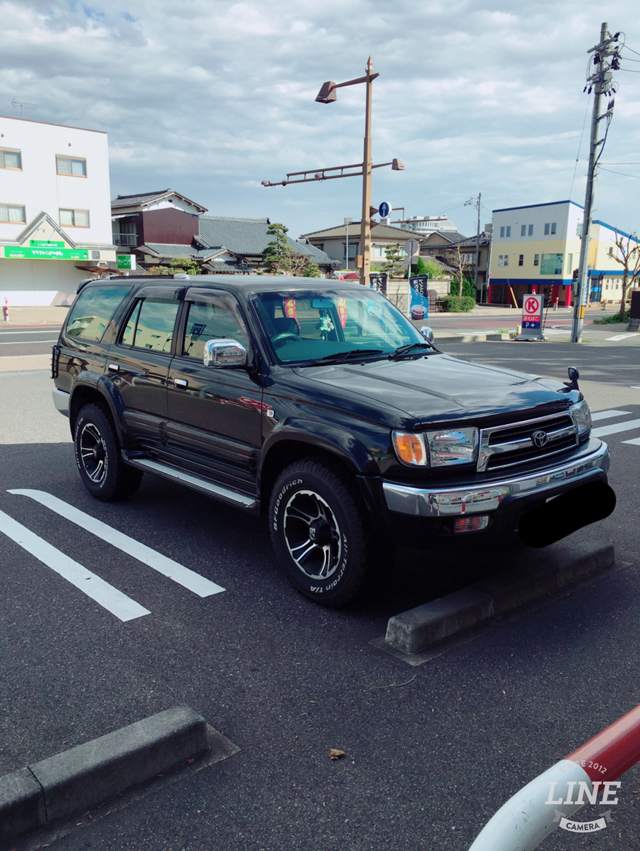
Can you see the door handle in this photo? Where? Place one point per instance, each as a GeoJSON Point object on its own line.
{"type": "Point", "coordinates": [180, 382]}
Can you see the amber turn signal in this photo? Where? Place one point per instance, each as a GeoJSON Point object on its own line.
{"type": "Point", "coordinates": [410, 448]}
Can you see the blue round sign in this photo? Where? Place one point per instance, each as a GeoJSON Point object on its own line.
{"type": "Point", "coordinates": [384, 209]}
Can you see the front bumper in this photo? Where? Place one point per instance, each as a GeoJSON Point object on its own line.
{"type": "Point", "coordinates": [443, 502]}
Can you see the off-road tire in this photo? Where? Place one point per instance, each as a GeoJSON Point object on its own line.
{"type": "Point", "coordinates": [341, 542]}
{"type": "Point", "coordinates": [101, 468]}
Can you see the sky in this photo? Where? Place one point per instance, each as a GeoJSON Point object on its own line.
{"type": "Point", "coordinates": [211, 97]}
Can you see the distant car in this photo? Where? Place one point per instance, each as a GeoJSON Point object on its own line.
{"type": "Point", "coordinates": [344, 275]}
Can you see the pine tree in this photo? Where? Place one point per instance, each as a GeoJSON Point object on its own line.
{"type": "Point", "coordinates": [277, 255]}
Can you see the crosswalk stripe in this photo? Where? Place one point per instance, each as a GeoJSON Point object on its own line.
{"type": "Point", "coordinates": [97, 589]}
{"type": "Point", "coordinates": [167, 567]}
{"type": "Point", "coordinates": [604, 415]}
{"type": "Point", "coordinates": [635, 441]}
{"type": "Point", "coordinates": [620, 337]}
{"type": "Point", "coordinates": [614, 428]}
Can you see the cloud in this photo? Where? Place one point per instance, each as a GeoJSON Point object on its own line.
{"type": "Point", "coordinates": [213, 98]}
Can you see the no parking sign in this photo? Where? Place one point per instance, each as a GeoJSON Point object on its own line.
{"type": "Point", "coordinates": [532, 306]}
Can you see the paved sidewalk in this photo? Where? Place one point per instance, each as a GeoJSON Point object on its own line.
{"type": "Point", "coordinates": [25, 316]}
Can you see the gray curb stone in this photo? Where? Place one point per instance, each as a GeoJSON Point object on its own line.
{"type": "Point", "coordinates": [413, 631]}
{"type": "Point", "coordinates": [90, 773]}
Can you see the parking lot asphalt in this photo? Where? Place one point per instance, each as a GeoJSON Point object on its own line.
{"type": "Point", "coordinates": [430, 753]}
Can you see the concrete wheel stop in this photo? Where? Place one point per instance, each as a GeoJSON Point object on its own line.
{"type": "Point", "coordinates": [411, 635]}
{"type": "Point", "coordinates": [87, 775]}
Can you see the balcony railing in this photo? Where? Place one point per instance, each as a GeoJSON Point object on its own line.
{"type": "Point", "coordinates": [125, 238]}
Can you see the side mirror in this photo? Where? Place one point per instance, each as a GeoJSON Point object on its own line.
{"type": "Point", "coordinates": [574, 375]}
{"type": "Point", "coordinates": [225, 353]}
{"type": "Point", "coordinates": [427, 333]}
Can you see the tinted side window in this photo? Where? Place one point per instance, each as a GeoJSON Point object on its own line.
{"type": "Point", "coordinates": [93, 311]}
{"type": "Point", "coordinates": [211, 320]}
{"type": "Point", "coordinates": [150, 325]}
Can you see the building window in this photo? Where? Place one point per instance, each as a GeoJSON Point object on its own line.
{"type": "Point", "coordinates": [72, 167]}
{"type": "Point", "coordinates": [536, 259]}
{"type": "Point", "coordinates": [553, 227]}
{"type": "Point", "coordinates": [579, 229]}
{"type": "Point", "coordinates": [546, 228]}
{"type": "Point", "coordinates": [523, 230]}
{"type": "Point", "coordinates": [12, 213]}
{"type": "Point", "coordinates": [611, 251]}
{"type": "Point", "coordinates": [551, 264]}
{"type": "Point", "coordinates": [502, 231]}
{"type": "Point", "coordinates": [569, 264]}
{"type": "Point", "coordinates": [508, 230]}
{"type": "Point", "coordinates": [530, 230]}
{"type": "Point", "coordinates": [503, 259]}
{"type": "Point", "coordinates": [74, 218]}
{"type": "Point", "coordinates": [521, 260]}
{"type": "Point", "coordinates": [10, 159]}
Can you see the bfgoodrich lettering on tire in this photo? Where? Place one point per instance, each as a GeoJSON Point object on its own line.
{"type": "Point", "coordinates": [319, 532]}
{"type": "Point", "coordinates": [101, 468]}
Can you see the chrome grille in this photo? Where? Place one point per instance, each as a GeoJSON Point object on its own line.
{"type": "Point", "coordinates": [528, 440]}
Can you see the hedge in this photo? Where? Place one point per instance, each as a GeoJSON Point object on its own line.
{"type": "Point", "coordinates": [457, 303]}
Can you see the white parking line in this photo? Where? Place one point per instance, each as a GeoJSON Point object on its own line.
{"type": "Point", "coordinates": [167, 567]}
{"type": "Point", "coordinates": [619, 337]}
{"type": "Point", "coordinates": [97, 589]}
{"type": "Point", "coordinates": [615, 428]}
{"type": "Point", "coordinates": [634, 442]}
{"type": "Point", "coordinates": [27, 342]}
{"type": "Point", "coordinates": [604, 415]}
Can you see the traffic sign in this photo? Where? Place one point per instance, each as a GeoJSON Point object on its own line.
{"type": "Point", "coordinates": [385, 209]}
{"type": "Point", "coordinates": [532, 306]}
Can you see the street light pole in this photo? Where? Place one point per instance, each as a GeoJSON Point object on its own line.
{"type": "Point", "coordinates": [365, 226]}
{"type": "Point", "coordinates": [347, 222]}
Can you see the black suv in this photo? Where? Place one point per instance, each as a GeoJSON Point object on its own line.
{"type": "Point", "coordinates": [319, 404]}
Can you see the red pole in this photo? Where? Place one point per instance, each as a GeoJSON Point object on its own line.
{"type": "Point", "coordinates": [616, 748]}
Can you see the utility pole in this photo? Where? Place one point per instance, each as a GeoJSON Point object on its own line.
{"type": "Point", "coordinates": [367, 163]}
{"type": "Point", "coordinates": [477, 202]}
{"type": "Point", "coordinates": [605, 59]}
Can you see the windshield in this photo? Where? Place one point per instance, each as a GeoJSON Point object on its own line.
{"type": "Point", "coordinates": [307, 326]}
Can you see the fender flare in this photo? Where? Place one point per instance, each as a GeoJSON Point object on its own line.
{"type": "Point", "coordinates": [110, 394]}
{"type": "Point", "coordinates": [344, 444]}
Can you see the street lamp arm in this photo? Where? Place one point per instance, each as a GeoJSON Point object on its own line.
{"type": "Point", "coordinates": [355, 82]}
{"type": "Point", "coordinates": [321, 173]}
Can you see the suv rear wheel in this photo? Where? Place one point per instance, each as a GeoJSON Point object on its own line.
{"type": "Point", "coordinates": [320, 532]}
{"type": "Point", "coordinates": [101, 468]}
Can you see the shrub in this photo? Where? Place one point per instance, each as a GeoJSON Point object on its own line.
{"type": "Point", "coordinates": [611, 320]}
{"type": "Point", "coordinates": [457, 303]}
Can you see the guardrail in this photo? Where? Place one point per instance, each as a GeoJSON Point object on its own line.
{"type": "Point", "coordinates": [547, 801]}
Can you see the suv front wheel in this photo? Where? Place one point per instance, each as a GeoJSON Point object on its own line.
{"type": "Point", "coordinates": [319, 532]}
{"type": "Point", "coordinates": [102, 470]}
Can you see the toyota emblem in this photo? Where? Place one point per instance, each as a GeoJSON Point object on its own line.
{"type": "Point", "coordinates": [539, 438]}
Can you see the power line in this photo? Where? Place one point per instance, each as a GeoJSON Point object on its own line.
{"type": "Point", "coordinates": [624, 174]}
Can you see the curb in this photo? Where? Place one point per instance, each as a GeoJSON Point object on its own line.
{"type": "Point", "coordinates": [471, 338]}
{"type": "Point", "coordinates": [90, 773]}
{"type": "Point", "coordinates": [413, 631]}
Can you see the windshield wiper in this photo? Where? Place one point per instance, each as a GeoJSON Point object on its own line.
{"type": "Point", "coordinates": [408, 349]}
{"type": "Point", "coordinates": [350, 354]}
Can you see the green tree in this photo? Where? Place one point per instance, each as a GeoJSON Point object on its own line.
{"type": "Point", "coordinates": [184, 265]}
{"type": "Point", "coordinates": [277, 256]}
{"type": "Point", "coordinates": [419, 268]}
{"type": "Point", "coordinates": [393, 265]}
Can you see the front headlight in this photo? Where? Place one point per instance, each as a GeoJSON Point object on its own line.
{"type": "Point", "coordinates": [582, 418]}
{"type": "Point", "coordinates": [440, 448]}
{"type": "Point", "coordinates": [452, 446]}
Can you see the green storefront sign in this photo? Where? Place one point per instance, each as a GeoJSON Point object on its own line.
{"type": "Point", "coordinates": [49, 253]}
{"type": "Point", "coordinates": [124, 261]}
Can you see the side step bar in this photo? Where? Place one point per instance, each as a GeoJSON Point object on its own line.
{"type": "Point", "coordinates": [249, 503]}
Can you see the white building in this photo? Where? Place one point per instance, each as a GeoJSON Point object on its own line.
{"type": "Point", "coordinates": [55, 210]}
{"type": "Point", "coordinates": [424, 225]}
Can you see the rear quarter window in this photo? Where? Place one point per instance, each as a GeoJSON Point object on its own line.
{"type": "Point", "coordinates": [92, 312]}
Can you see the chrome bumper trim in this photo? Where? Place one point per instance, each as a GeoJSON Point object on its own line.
{"type": "Point", "coordinates": [481, 498]}
{"type": "Point", "coordinates": [61, 401]}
